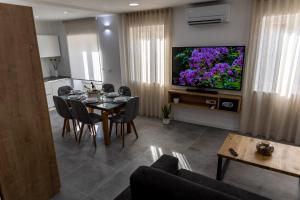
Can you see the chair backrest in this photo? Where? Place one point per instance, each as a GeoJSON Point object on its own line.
{"type": "Point", "coordinates": [131, 109]}
{"type": "Point", "coordinates": [62, 107]}
{"type": "Point", "coordinates": [64, 90]}
{"type": "Point", "coordinates": [107, 87]}
{"type": "Point", "coordinates": [80, 112]}
{"type": "Point", "coordinates": [124, 91]}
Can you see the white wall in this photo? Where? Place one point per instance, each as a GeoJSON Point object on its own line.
{"type": "Point", "coordinates": [236, 32]}
{"type": "Point", "coordinates": [109, 45]}
{"type": "Point", "coordinates": [54, 28]}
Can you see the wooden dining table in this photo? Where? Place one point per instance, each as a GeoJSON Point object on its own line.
{"type": "Point", "coordinates": [107, 106]}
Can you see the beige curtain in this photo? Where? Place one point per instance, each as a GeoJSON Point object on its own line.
{"type": "Point", "coordinates": [271, 100]}
{"type": "Point", "coordinates": [145, 44]}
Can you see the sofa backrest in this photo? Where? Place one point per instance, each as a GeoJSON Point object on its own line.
{"type": "Point", "coordinates": [148, 183]}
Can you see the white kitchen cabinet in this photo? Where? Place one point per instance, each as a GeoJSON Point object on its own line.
{"type": "Point", "coordinates": [48, 88]}
{"type": "Point", "coordinates": [51, 88]}
{"type": "Point", "coordinates": [48, 46]}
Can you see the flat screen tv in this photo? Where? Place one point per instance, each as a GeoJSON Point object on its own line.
{"type": "Point", "coordinates": [208, 67]}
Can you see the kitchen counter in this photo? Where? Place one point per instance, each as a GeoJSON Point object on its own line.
{"type": "Point", "coordinates": [53, 78]}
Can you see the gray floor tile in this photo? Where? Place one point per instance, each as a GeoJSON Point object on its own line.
{"type": "Point", "coordinates": [102, 173]}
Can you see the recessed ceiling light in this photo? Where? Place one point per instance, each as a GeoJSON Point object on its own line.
{"type": "Point", "coordinates": [66, 12]}
{"type": "Point", "coordinates": [36, 16]}
{"type": "Point", "coordinates": [134, 4]}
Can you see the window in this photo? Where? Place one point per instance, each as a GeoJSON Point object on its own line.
{"type": "Point", "coordinates": [84, 51]}
{"type": "Point", "coordinates": [150, 46]}
{"type": "Point", "coordinates": [278, 61]}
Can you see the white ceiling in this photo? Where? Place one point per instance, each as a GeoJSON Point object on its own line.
{"type": "Point", "coordinates": [54, 9]}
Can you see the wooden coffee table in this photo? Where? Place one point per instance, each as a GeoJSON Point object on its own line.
{"type": "Point", "coordinates": [285, 158]}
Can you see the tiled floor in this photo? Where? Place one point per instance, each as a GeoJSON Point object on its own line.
{"type": "Point", "coordinates": [89, 174]}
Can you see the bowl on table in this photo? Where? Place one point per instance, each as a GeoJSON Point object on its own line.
{"type": "Point", "coordinates": [76, 92]}
{"type": "Point", "coordinates": [265, 148]}
{"type": "Point", "coordinates": [74, 97]}
{"type": "Point", "coordinates": [112, 94]}
{"type": "Point", "coordinates": [91, 100]}
{"type": "Point", "coordinates": [121, 99]}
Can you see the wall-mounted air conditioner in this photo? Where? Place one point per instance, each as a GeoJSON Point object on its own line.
{"type": "Point", "coordinates": [208, 14]}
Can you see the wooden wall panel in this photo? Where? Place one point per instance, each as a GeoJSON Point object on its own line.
{"type": "Point", "coordinates": [28, 169]}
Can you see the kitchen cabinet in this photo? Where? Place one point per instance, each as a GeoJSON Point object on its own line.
{"type": "Point", "coordinates": [51, 88]}
{"type": "Point", "coordinates": [48, 46]}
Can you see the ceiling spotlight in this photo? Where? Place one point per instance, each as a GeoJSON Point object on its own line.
{"type": "Point", "coordinates": [36, 16]}
{"type": "Point", "coordinates": [134, 4]}
{"type": "Point", "coordinates": [66, 12]}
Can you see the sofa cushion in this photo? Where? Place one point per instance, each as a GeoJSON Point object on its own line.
{"type": "Point", "coordinates": [167, 163]}
{"type": "Point", "coordinates": [148, 183]}
{"type": "Point", "coordinates": [218, 185]}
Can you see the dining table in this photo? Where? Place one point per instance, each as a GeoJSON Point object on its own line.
{"type": "Point", "coordinates": [108, 106]}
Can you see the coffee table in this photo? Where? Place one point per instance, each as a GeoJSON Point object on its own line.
{"type": "Point", "coordinates": [285, 158]}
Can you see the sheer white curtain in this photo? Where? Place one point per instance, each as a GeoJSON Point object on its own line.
{"type": "Point", "coordinates": [271, 106]}
{"type": "Point", "coordinates": [145, 44]}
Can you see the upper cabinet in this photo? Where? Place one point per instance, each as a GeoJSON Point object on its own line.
{"type": "Point", "coordinates": [48, 46]}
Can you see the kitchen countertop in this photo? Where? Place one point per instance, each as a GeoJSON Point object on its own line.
{"type": "Point", "coordinates": [53, 78]}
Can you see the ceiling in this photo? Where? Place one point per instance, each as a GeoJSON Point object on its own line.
{"type": "Point", "coordinates": [72, 9]}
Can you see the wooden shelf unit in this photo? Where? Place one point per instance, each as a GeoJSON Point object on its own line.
{"type": "Point", "coordinates": [204, 100]}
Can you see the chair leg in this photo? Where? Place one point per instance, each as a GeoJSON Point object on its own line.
{"type": "Point", "coordinates": [75, 129]}
{"type": "Point", "coordinates": [117, 129]}
{"type": "Point", "coordinates": [110, 128]}
{"type": "Point", "coordinates": [136, 134]}
{"type": "Point", "coordinates": [64, 128]}
{"type": "Point", "coordinates": [123, 134]}
{"type": "Point", "coordinates": [94, 135]}
{"type": "Point", "coordinates": [81, 131]}
{"type": "Point", "coordinates": [90, 129]}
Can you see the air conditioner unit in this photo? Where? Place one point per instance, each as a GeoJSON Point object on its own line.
{"type": "Point", "coordinates": [208, 14]}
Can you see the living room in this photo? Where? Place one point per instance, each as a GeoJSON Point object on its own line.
{"type": "Point", "coordinates": [194, 99]}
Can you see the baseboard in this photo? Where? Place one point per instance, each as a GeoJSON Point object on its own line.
{"type": "Point", "coordinates": [214, 125]}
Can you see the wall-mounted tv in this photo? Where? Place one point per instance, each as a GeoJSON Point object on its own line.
{"type": "Point", "coordinates": [208, 67]}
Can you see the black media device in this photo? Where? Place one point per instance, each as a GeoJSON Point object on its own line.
{"type": "Point", "coordinates": [233, 152]}
{"type": "Point", "coordinates": [198, 90]}
{"type": "Point", "coordinates": [229, 104]}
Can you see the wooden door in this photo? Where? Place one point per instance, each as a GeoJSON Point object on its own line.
{"type": "Point", "coordinates": [28, 168]}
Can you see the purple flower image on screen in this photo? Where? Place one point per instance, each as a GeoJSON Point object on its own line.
{"type": "Point", "coordinates": [212, 67]}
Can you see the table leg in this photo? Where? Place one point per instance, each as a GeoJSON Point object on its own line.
{"type": "Point", "coordinates": [128, 128]}
{"type": "Point", "coordinates": [222, 168]}
{"type": "Point", "coordinates": [219, 169]}
{"type": "Point", "coordinates": [68, 126]}
{"type": "Point", "coordinates": [105, 128]}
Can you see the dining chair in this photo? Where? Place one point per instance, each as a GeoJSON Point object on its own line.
{"type": "Point", "coordinates": [85, 118]}
{"type": "Point", "coordinates": [107, 87]}
{"type": "Point", "coordinates": [66, 112]}
{"type": "Point", "coordinates": [124, 91]}
{"type": "Point", "coordinates": [131, 111]}
{"type": "Point", "coordinates": [64, 90]}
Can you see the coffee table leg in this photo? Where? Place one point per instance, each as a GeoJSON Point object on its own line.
{"type": "Point", "coordinates": [219, 169]}
{"type": "Point", "coordinates": [222, 168]}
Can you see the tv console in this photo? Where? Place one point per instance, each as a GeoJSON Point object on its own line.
{"type": "Point", "coordinates": [213, 101]}
{"type": "Point", "coordinates": [198, 90]}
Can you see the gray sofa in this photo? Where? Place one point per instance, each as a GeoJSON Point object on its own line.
{"type": "Point", "coordinates": [164, 181]}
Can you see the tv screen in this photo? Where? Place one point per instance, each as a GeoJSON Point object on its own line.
{"type": "Point", "coordinates": [208, 67]}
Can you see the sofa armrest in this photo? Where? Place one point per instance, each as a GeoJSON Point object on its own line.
{"type": "Point", "coordinates": [167, 163]}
